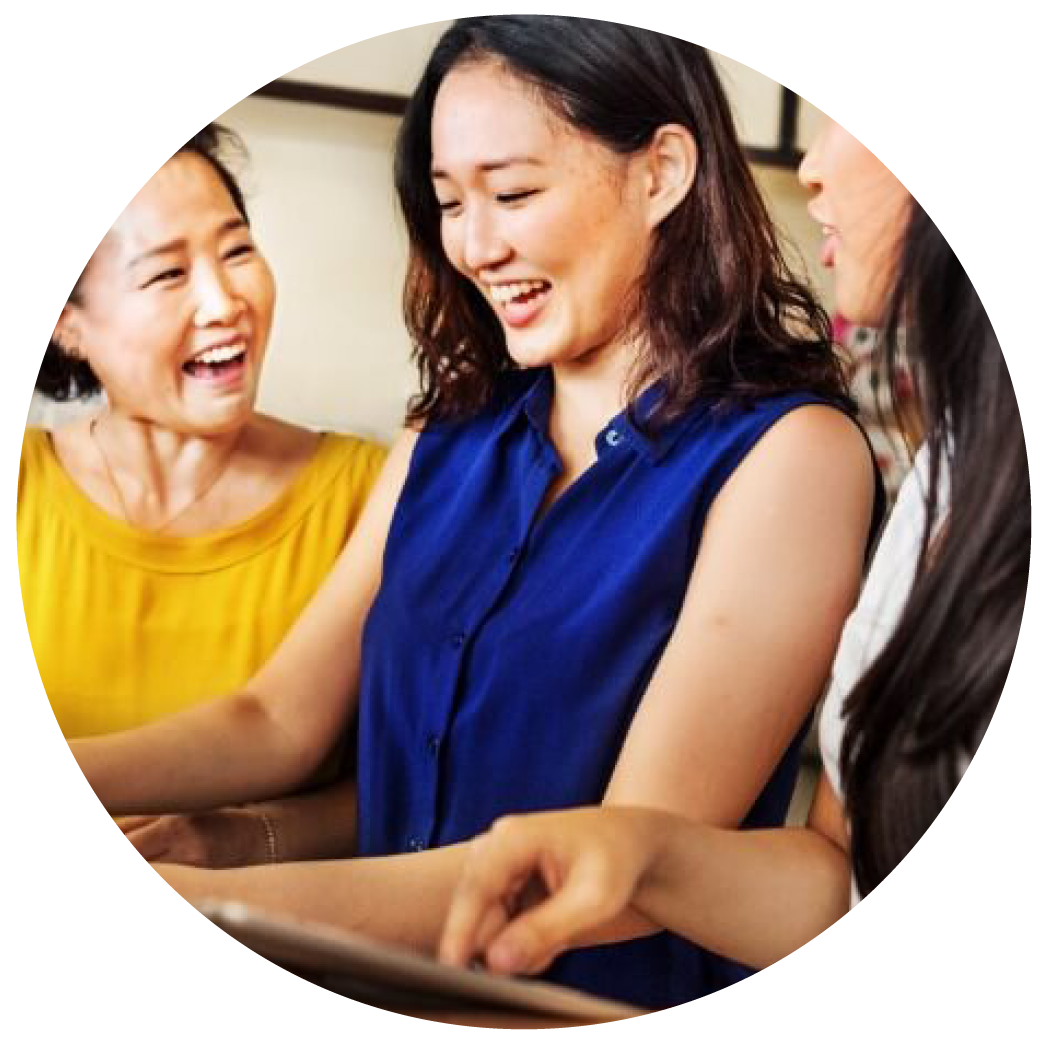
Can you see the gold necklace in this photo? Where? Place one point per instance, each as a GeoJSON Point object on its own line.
{"type": "Point", "coordinates": [206, 488]}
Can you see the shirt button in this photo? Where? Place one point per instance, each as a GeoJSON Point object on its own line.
{"type": "Point", "coordinates": [433, 743]}
{"type": "Point", "coordinates": [416, 845]}
{"type": "Point", "coordinates": [458, 640]}
{"type": "Point", "coordinates": [613, 437]}
{"type": "Point", "coordinates": [514, 554]}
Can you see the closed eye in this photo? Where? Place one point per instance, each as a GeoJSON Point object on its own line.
{"type": "Point", "coordinates": [515, 197]}
{"type": "Point", "coordinates": [168, 275]}
{"type": "Point", "coordinates": [240, 251]}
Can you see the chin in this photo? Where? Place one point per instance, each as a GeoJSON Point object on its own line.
{"type": "Point", "coordinates": [859, 306]}
{"type": "Point", "coordinates": [230, 422]}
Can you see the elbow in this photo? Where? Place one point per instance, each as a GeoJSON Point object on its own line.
{"type": "Point", "coordinates": [288, 759]}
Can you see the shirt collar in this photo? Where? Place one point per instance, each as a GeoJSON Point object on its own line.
{"type": "Point", "coordinates": [628, 429]}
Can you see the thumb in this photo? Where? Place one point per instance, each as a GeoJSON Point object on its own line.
{"type": "Point", "coordinates": [588, 898]}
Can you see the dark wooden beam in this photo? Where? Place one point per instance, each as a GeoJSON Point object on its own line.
{"type": "Point", "coordinates": [334, 97]}
{"type": "Point", "coordinates": [790, 159]}
{"type": "Point", "coordinates": [784, 154]}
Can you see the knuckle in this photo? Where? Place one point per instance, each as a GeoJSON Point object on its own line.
{"type": "Point", "coordinates": [505, 826]}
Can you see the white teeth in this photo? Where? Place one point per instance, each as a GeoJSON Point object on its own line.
{"type": "Point", "coordinates": [508, 291]}
{"type": "Point", "coordinates": [220, 354]}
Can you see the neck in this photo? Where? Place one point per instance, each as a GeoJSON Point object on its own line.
{"type": "Point", "coordinates": [159, 472]}
{"type": "Point", "coordinates": [587, 394]}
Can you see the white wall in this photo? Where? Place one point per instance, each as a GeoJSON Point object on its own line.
{"type": "Point", "coordinates": [319, 191]}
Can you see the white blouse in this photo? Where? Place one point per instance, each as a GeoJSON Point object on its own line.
{"type": "Point", "coordinates": [882, 599]}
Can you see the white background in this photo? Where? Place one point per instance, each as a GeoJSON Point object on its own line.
{"type": "Point", "coordinates": [95, 97]}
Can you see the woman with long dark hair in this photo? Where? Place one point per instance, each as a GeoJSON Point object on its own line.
{"type": "Point", "coordinates": [631, 486]}
{"type": "Point", "coordinates": [920, 667]}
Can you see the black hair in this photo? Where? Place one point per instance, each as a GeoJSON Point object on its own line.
{"type": "Point", "coordinates": [918, 714]}
{"type": "Point", "coordinates": [63, 377]}
{"type": "Point", "coordinates": [723, 315]}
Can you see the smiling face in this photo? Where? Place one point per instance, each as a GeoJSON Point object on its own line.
{"type": "Point", "coordinates": [175, 307]}
{"type": "Point", "coordinates": [863, 210]}
{"type": "Point", "coordinates": [552, 227]}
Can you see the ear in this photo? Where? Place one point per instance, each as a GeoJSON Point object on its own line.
{"type": "Point", "coordinates": [68, 332]}
{"type": "Point", "coordinates": [672, 160]}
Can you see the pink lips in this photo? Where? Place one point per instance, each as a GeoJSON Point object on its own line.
{"type": "Point", "coordinates": [523, 311]}
{"type": "Point", "coordinates": [828, 250]}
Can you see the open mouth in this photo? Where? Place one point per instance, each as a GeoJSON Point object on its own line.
{"type": "Point", "coordinates": [217, 362]}
{"type": "Point", "coordinates": [522, 292]}
{"type": "Point", "coordinates": [520, 302]}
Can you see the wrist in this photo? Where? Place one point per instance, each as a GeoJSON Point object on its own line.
{"type": "Point", "coordinates": [241, 836]}
{"type": "Point", "coordinates": [668, 842]}
{"type": "Point", "coordinates": [269, 826]}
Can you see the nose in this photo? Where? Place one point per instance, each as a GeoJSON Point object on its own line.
{"type": "Point", "coordinates": [217, 303]}
{"type": "Point", "coordinates": [810, 169]}
{"type": "Point", "coordinates": [806, 173]}
{"type": "Point", "coordinates": [483, 244]}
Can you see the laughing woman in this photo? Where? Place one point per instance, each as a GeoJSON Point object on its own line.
{"type": "Point", "coordinates": [167, 542]}
{"type": "Point", "coordinates": [631, 489]}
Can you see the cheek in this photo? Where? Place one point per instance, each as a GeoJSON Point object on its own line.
{"type": "Point", "coordinates": [452, 243]}
{"type": "Point", "coordinates": [265, 298]}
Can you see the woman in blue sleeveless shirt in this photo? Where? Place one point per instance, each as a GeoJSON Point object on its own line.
{"type": "Point", "coordinates": [615, 563]}
{"type": "Point", "coordinates": [920, 668]}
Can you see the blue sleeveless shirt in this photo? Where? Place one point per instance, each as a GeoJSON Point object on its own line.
{"type": "Point", "coordinates": [506, 652]}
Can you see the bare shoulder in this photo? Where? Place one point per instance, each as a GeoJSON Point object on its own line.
{"type": "Point", "coordinates": [812, 467]}
{"type": "Point", "coordinates": [813, 445]}
{"type": "Point", "coordinates": [819, 433]}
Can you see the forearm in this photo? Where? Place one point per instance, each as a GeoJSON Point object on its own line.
{"type": "Point", "coordinates": [226, 751]}
{"type": "Point", "coordinates": [314, 825]}
{"type": "Point", "coordinates": [401, 899]}
{"type": "Point", "coordinates": [753, 896]}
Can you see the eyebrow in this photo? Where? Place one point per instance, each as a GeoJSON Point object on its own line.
{"type": "Point", "coordinates": [232, 224]}
{"type": "Point", "coordinates": [497, 164]}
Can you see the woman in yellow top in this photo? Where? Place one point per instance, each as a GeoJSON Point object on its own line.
{"type": "Point", "coordinates": [168, 542]}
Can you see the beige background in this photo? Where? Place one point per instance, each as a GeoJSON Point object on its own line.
{"type": "Point", "coordinates": [318, 185]}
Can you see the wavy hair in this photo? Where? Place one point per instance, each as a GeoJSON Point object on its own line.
{"type": "Point", "coordinates": [719, 312]}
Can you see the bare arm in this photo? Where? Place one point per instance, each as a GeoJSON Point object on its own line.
{"type": "Point", "coordinates": [268, 738]}
{"type": "Point", "coordinates": [776, 576]}
{"type": "Point", "coordinates": [778, 572]}
{"type": "Point", "coordinates": [400, 899]}
{"type": "Point", "coordinates": [312, 825]}
{"type": "Point", "coordinates": [754, 896]}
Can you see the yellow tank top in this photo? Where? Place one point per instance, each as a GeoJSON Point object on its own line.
{"type": "Point", "coordinates": [128, 626]}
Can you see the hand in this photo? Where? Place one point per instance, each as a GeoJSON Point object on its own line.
{"type": "Point", "coordinates": [226, 838]}
{"type": "Point", "coordinates": [537, 884]}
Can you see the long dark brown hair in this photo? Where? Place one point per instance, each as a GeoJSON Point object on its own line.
{"type": "Point", "coordinates": [722, 315]}
{"type": "Point", "coordinates": [918, 714]}
{"type": "Point", "coordinates": [63, 377]}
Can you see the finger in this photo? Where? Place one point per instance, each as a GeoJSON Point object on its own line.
{"type": "Point", "coordinates": [135, 821]}
{"type": "Point", "coordinates": [152, 842]}
{"type": "Point", "coordinates": [495, 871]}
{"type": "Point", "coordinates": [590, 896]}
